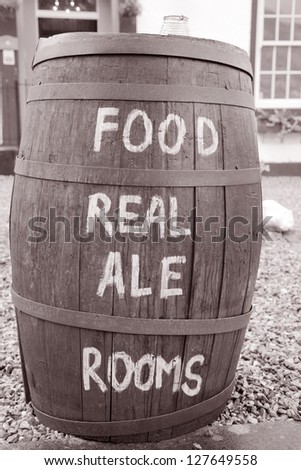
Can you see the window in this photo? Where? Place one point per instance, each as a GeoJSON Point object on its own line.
{"type": "Point", "coordinates": [64, 16]}
{"type": "Point", "coordinates": [63, 5]}
{"type": "Point", "coordinates": [278, 54]}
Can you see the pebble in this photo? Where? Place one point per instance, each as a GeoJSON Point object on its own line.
{"type": "Point", "coordinates": [252, 420]}
{"type": "Point", "coordinates": [75, 440]}
{"type": "Point", "coordinates": [197, 446]}
{"type": "Point", "coordinates": [297, 383]}
{"type": "Point", "coordinates": [25, 425]}
{"type": "Point", "coordinates": [13, 438]}
{"type": "Point", "coordinates": [2, 434]}
{"type": "Point", "coordinates": [263, 414]}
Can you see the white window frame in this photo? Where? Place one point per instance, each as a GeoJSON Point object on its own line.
{"type": "Point", "coordinates": [272, 103]}
{"type": "Point", "coordinates": [75, 15]}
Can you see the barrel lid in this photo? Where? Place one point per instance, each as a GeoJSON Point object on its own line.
{"type": "Point", "coordinates": [74, 44]}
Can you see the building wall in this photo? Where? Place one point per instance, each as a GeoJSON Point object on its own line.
{"type": "Point", "coordinates": [28, 35]}
{"type": "Point", "coordinates": [222, 20]}
{"type": "Point", "coordinates": [27, 28]}
{"type": "Point", "coordinates": [9, 115]}
{"type": "Point", "coordinates": [280, 149]}
{"type": "Point", "coordinates": [280, 155]}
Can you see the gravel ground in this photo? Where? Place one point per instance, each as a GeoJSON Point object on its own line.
{"type": "Point", "coordinates": [268, 384]}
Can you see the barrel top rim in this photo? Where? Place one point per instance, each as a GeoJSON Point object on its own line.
{"type": "Point", "coordinates": [88, 44]}
{"type": "Point", "coordinates": [122, 37]}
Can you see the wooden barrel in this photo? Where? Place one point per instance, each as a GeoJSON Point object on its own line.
{"type": "Point", "coordinates": [134, 235]}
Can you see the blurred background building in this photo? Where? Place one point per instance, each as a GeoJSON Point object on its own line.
{"type": "Point", "coordinates": [269, 30]}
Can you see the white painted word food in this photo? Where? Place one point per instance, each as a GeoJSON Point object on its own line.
{"type": "Point", "coordinates": [158, 370]}
{"type": "Point", "coordinates": [107, 121]}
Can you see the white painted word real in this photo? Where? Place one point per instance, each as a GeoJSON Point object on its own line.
{"type": "Point", "coordinates": [158, 370]}
{"type": "Point", "coordinates": [107, 121]}
{"type": "Point", "coordinates": [157, 213]}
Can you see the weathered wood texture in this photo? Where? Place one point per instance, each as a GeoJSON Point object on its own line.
{"type": "Point", "coordinates": [217, 279]}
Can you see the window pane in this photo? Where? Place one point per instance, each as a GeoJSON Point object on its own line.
{"type": "Point", "coordinates": [298, 7]}
{"type": "Point", "coordinates": [284, 28]}
{"type": "Point", "coordinates": [270, 6]}
{"type": "Point", "coordinates": [280, 86]}
{"type": "Point", "coordinates": [265, 86]}
{"type": "Point", "coordinates": [296, 58]}
{"type": "Point", "coordinates": [297, 34]}
{"type": "Point", "coordinates": [266, 58]}
{"type": "Point", "coordinates": [269, 28]}
{"type": "Point", "coordinates": [295, 87]}
{"type": "Point", "coordinates": [72, 5]}
{"type": "Point", "coordinates": [286, 6]}
{"type": "Point", "coordinates": [281, 57]}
